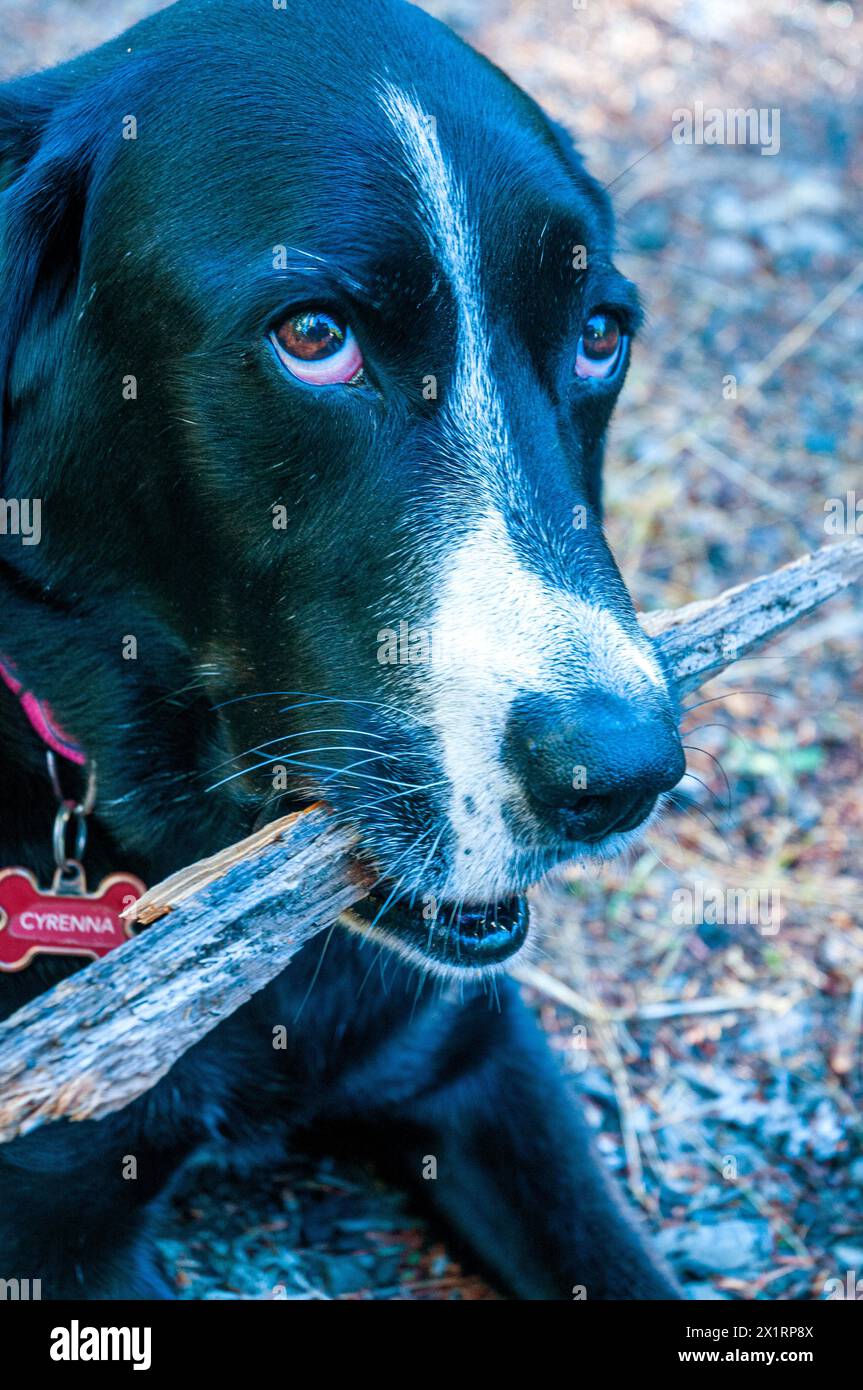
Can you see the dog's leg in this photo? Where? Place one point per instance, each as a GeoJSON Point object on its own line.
{"type": "Point", "coordinates": [77, 1200]}
{"type": "Point", "coordinates": [74, 1202]}
{"type": "Point", "coordinates": [514, 1170]}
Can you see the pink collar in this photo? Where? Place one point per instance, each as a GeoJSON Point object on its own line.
{"type": "Point", "coordinates": [41, 718]}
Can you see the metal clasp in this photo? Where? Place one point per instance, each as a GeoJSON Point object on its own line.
{"type": "Point", "coordinates": [71, 816]}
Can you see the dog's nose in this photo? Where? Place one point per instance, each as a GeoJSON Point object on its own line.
{"type": "Point", "coordinates": [593, 765]}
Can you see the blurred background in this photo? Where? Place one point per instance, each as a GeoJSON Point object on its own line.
{"type": "Point", "coordinates": [721, 1058]}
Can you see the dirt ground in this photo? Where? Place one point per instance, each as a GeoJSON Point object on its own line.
{"type": "Point", "coordinates": [721, 1058]}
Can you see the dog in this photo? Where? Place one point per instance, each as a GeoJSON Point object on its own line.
{"type": "Point", "coordinates": [310, 335]}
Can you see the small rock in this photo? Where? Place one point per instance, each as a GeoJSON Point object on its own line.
{"type": "Point", "coordinates": [827, 1131]}
{"type": "Point", "coordinates": [721, 1248]}
{"type": "Point", "coordinates": [730, 256]}
{"type": "Point", "coordinates": [807, 237]}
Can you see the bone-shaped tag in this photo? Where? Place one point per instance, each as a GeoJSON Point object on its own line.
{"type": "Point", "coordinates": [36, 921]}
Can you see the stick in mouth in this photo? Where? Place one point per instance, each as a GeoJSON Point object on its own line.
{"type": "Point", "coordinates": [224, 928]}
{"type": "Point", "coordinates": [454, 937]}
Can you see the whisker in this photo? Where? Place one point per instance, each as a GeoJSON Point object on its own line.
{"type": "Point", "coordinates": [312, 699]}
{"type": "Point", "coordinates": [768, 695]}
{"type": "Point", "coordinates": [718, 724]}
{"type": "Point", "coordinates": [314, 979]}
{"type": "Point", "coordinates": [388, 871]}
{"type": "Point", "coordinates": [304, 752]}
{"type": "Point", "coordinates": [373, 962]}
{"type": "Point", "coordinates": [709, 790]}
{"type": "Point", "coordinates": [338, 748]}
{"type": "Point", "coordinates": [688, 810]}
{"type": "Point", "coordinates": [244, 772]}
{"type": "Point", "coordinates": [380, 913]}
{"type": "Point", "coordinates": [367, 776]}
{"type": "Point", "coordinates": [426, 863]}
{"type": "Point", "coordinates": [420, 986]}
{"type": "Point", "coordinates": [317, 767]}
{"type": "Point", "coordinates": [424, 786]}
{"type": "Point", "coordinates": [283, 738]}
{"type": "Point", "coordinates": [696, 748]}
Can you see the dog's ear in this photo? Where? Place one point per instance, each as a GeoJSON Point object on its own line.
{"type": "Point", "coordinates": [26, 106]}
{"type": "Point", "coordinates": [45, 160]}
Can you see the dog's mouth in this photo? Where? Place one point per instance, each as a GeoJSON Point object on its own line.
{"type": "Point", "coordinates": [458, 936]}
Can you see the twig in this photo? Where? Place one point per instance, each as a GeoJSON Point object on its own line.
{"type": "Point", "coordinates": [543, 983]}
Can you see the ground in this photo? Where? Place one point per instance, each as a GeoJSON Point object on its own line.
{"type": "Point", "coordinates": [721, 1057]}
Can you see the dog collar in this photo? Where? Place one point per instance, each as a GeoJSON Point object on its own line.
{"type": "Point", "coordinates": [65, 919]}
{"type": "Point", "coordinates": [41, 718]}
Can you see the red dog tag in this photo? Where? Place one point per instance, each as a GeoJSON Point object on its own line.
{"type": "Point", "coordinates": [33, 920]}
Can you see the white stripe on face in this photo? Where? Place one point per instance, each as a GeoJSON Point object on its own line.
{"type": "Point", "coordinates": [504, 630]}
{"type": "Point", "coordinates": [478, 437]}
{"type": "Point", "coordinates": [499, 631]}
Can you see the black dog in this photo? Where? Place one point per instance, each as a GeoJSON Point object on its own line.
{"type": "Point", "coordinates": [309, 339]}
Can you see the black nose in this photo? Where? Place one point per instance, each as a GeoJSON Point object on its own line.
{"type": "Point", "coordinates": [596, 764]}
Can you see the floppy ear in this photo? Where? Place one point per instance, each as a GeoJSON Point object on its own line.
{"type": "Point", "coordinates": [25, 108]}
{"type": "Point", "coordinates": [44, 171]}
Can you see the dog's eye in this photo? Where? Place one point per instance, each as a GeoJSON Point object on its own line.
{"type": "Point", "coordinates": [600, 347]}
{"type": "Point", "coordinates": [318, 349]}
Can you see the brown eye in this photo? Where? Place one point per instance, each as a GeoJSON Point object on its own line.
{"type": "Point", "coordinates": [311, 336]}
{"type": "Point", "coordinates": [601, 336]}
{"type": "Point", "coordinates": [317, 349]}
{"type": "Point", "coordinates": [600, 347]}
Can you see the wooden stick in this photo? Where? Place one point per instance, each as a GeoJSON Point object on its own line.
{"type": "Point", "coordinates": [702, 639]}
{"type": "Point", "coordinates": [220, 930]}
{"type": "Point", "coordinates": [227, 926]}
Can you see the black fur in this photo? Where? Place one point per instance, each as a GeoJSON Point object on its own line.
{"type": "Point", "coordinates": [153, 258]}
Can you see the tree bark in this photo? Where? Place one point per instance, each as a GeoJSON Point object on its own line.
{"type": "Point", "coordinates": [704, 638]}
{"type": "Point", "coordinates": [220, 930]}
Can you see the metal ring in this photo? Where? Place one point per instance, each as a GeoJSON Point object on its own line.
{"type": "Point", "coordinates": [83, 807]}
{"type": "Point", "coordinates": [65, 814]}
{"type": "Point", "coordinates": [86, 806]}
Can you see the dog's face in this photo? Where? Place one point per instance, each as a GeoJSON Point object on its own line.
{"type": "Point", "coordinates": [312, 377]}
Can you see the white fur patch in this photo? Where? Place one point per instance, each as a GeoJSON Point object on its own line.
{"type": "Point", "coordinates": [505, 630]}
{"type": "Point", "coordinates": [477, 429]}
